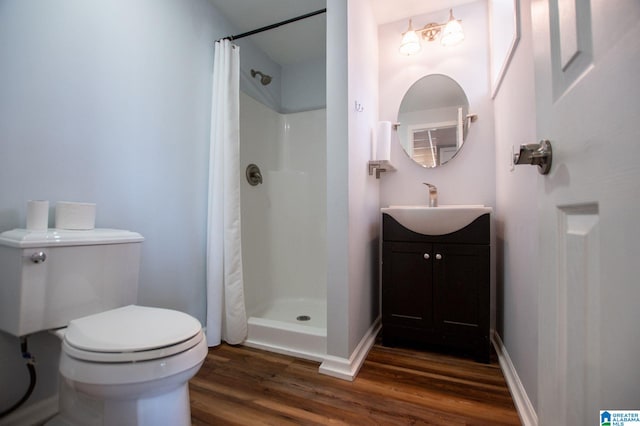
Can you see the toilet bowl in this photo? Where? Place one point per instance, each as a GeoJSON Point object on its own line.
{"type": "Point", "coordinates": [129, 365]}
{"type": "Point", "coordinates": [120, 363]}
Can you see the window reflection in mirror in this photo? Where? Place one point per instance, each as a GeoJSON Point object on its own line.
{"type": "Point", "coordinates": [433, 123]}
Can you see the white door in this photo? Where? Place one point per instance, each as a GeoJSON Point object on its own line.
{"type": "Point", "coordinates": [587, 57]}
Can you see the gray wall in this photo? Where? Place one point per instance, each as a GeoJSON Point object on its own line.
{"type": "Point", "coordinates": [337, 176]}
{"type": "Point", "coordinates": [108, 101]}
{"type": "Point", "coordinates": [305, 86]}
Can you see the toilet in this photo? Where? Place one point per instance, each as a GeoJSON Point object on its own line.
{"type": "Point", "coordinates": [120, 363]}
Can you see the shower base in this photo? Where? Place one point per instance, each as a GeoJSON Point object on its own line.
{"type": "Point", "coordinates": [295, 327]}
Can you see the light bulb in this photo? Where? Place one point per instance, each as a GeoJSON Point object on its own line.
{"type": "Point", "coordinates": [452, 33]}
{"type": "Point", "coordinates": [410, 41]}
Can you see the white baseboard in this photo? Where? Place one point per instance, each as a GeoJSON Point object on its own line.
{"type": "Point", "coordinates": [347, 369]}
{"type": "Point", "coordinates": [34, 414]}
{"type": "Point", "coordinates": [522, 402]}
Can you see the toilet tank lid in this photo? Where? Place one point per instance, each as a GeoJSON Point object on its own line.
{"type": "Point", "coordinates": [24, 238]}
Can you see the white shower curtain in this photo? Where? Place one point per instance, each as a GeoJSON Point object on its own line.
{"type": "Point", "coordinates": [226, 317]}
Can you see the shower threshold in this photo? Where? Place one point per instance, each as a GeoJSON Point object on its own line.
{"type": "Point", "coordinates": [282, 326]}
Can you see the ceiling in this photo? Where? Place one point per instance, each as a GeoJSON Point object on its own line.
{"type": "Point", "coordinates": [305, 40]}
{"type": "Point", "coordinates": [296, 42]}
{"type": "Point", "coordinates": [387, 11]}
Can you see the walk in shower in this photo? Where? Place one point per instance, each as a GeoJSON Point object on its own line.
{"type": "Point", "coordinates": [283, 167]}
{"type": "Point", "coordinates": [284, 229]}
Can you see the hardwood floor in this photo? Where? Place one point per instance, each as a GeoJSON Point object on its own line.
{"type": "Point", "coordinates": [238, 385]}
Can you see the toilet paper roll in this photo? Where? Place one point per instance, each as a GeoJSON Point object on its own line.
{"type": "Point", "coordinates": [383, 143]}
{"type": "Point", "coordinates": [78, 216]}
{"type": "Point", "coordinates": [37, 215]}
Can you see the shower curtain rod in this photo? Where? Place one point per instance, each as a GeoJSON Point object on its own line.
{"type": "Point", "coordinates": [276, 25]}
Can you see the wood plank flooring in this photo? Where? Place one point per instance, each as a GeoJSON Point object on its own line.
{"type": "Point", "coordinates": [238, 385]}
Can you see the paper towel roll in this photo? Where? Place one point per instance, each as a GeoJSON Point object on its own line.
{"type": "Point", "coordinates": [37, 215]}
{"type": "Point", "coordinates": [384, 141]}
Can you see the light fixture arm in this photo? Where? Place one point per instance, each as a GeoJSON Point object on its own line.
{"type": "Point", "coordinates": [431, 31]}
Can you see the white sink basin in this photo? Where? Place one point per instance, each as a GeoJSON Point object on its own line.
{"type": "Point", "coordinates": [436, 220]}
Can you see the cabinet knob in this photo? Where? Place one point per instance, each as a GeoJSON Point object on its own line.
{"type": "Point", "coordinates": [426, 256]}
{"type": "Point", "coordinates": [438, 256]}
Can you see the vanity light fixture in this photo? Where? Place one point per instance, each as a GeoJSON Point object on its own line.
{"type": "Point", "coordinates": [450, 34]}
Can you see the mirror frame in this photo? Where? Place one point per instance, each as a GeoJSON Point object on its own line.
{"type": "Point", "coordinates": [460, 122]}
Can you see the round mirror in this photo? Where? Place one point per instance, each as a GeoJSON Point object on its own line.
{"type": "Point", "coordinates": [433, 120]}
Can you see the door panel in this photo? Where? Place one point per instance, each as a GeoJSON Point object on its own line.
{"type": "Point", "coordinates": [587, 57]}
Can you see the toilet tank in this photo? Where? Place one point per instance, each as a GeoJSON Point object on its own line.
{"type": "Point", "coordinates": [48, 278]}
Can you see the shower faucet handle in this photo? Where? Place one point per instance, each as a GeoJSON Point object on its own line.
{"type": "Point", "coordinates": [253, 175]}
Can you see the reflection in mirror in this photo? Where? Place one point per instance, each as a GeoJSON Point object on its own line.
{"type": "Point", "coordinates": [433, 120]}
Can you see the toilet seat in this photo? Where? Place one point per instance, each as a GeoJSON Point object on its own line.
{"type": "Point", "coordinates": [130, 334]}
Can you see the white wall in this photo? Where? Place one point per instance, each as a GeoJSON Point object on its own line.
{"type": "Point", "coordinates": [470, 177]}
{"type": "Point", "coordinates": [516, 212]}
{"type": "Point", "coordinates": [352, 195]}
{"type": "Point", "coordinates": [298, 221]}
{"type": "Point", "coordinates": [352, 283]}
{"type": "Point", "coordinates": [259, 133]}
{"type": "Point", "coordinates": [480, 173]}
{"type": "Point", "coordinates": [363, 189]}
{"type": "Point", "coordinates": [284, 218]}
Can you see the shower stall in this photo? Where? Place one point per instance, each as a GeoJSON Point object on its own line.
{"type": "Point", "coordinates": [283, 198]}
{"type": "Point", "coordinates": [284, 229]}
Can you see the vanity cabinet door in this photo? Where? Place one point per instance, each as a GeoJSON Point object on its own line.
{"type": "Point", "coordinates": [407, 292]}
{"type": "Point", "coordinates": [461, 295]}
{"type": "Point", "coordinates": [461, 277]}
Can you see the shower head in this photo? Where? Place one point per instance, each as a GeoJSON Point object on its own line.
{"type": "Point", "coordinates": [264, 79]}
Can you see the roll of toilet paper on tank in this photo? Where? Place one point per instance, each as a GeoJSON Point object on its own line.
{"type": "Point", "coordinates": [78, 216]}
{"type": "Point", "coordinates": [37, 215]}
{"type": "Point", "coordinates": [383, 143]}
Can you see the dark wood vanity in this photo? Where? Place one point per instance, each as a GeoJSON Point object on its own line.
{"type": "Point", "coordinates": [436, 288]}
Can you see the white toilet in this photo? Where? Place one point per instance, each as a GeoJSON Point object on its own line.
{"type": "Point", "coordinates": [121, 364]}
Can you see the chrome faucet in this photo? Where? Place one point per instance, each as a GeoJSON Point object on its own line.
{"type": "Point", "coordinates": [433, 195]}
